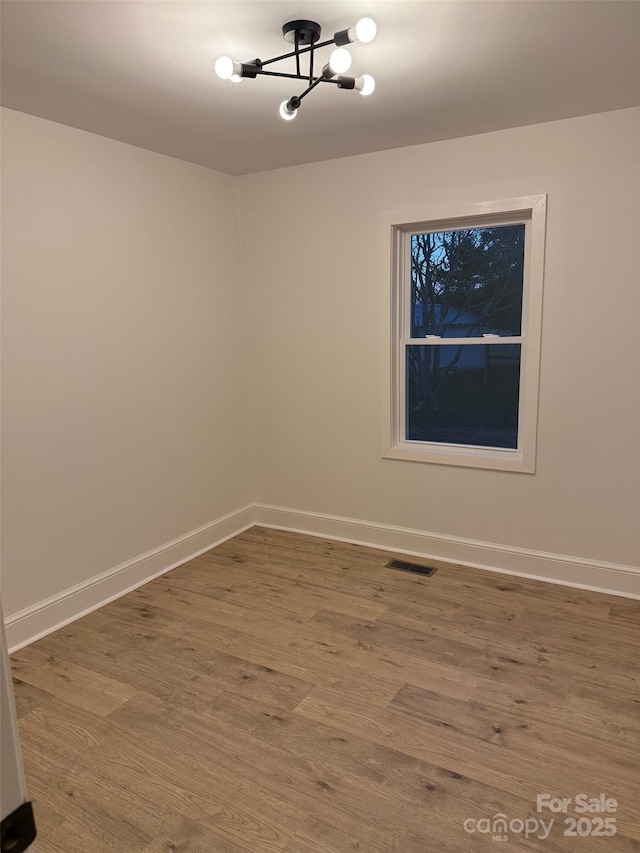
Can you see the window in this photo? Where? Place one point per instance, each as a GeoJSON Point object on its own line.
{"type": "Point", "coordinates": [463, 317]}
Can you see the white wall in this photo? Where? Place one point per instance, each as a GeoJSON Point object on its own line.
{"type": "Point", "coordinates": [124, 400]}
{"type": "Point", "coordinates": [312, 270]}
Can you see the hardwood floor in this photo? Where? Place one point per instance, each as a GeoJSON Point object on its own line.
{"type": "Point", "coordinates": [286, 693]}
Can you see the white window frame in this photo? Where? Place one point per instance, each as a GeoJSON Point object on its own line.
{"type": "Point", "coordinates": [397, 229]}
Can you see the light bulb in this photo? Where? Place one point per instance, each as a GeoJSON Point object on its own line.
{"type": "Point", "coordinates": [224, 67]}
{"type": "Point", "coordinates": [340, 60]}
{"type": "Point", "coordinates": [365, 84]}
{"type": "Point", "coordinates": [366, 30]}
{"type": "Point", "coordinates": [286, 113]}
{"type": "Point", "coordinates": [236, 78]}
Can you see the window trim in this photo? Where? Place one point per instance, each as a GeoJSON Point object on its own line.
{"type": "Point", "coordinates": [530, 210]}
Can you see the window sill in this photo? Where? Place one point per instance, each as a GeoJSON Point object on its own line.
{"type": "Point", "coordinates": [473, 457]}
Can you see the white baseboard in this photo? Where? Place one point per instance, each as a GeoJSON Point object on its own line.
{"type": "Point", "coordinates": [611, 578]}
{"type": "Point", "coordinates": [46, 616]}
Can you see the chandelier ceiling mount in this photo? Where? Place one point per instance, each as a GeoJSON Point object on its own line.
{"type": "Point", "coordinates": [307, 32]}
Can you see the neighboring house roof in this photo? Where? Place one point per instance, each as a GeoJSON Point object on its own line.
{"type": "Point", "coordinates": [455, 318]}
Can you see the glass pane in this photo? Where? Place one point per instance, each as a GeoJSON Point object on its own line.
{"type": "Point", "coordinates": [466, 394]}
{"type": "Point", "coordinates": [467, 283]}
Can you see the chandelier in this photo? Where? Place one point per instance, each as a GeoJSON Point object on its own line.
{"type": "Point", "coordinates": [305, 37]}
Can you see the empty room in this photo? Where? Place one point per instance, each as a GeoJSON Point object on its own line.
{"type": "Point", "coordinates": [320, 426]}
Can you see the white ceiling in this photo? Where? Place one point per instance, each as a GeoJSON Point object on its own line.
{"type": "Point", "coordinates": [141, 71]}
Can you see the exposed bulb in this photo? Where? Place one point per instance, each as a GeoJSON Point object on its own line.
{"type": "Point", "coordinates": [224, 67]}
{"type": "Point", "coordinates": [236, 78]}
{"type": "Point", "coordinates": [366, 30]}
{"type": "Point", "coordinates": [286, 112]}
{"type": "Point", "coordinates": [365, 84]}
{"type": "Point", "coordinates": [340, 60]}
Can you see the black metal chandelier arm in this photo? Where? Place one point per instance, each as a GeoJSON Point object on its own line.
{"type": "Point", "coordinates": [310, 88]}
{"type": "Point", "coordinates": [302, 50]}
{"type": "Point", "coordinates": [293, 104]}
{"type": "Point", "coordinates": [295, 76]}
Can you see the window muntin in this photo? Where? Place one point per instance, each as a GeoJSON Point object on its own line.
{"type": "Point", "coordinates": [465, 322]}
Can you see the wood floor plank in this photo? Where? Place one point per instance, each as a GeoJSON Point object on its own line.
{"type": "Point", "coordinates": [291, 694]}
{"type": "Point", "coordinates": [28, 696]}
{"type": "Point", "coordinates": [626, 612]}
{"type": "Point", "coordinates": [244, 586]}
{"type": "Point", "coordinates": [58, 779]}
{"type": "Point", "coordinates": [194, 838]}
{"type": "Point", "coordinates": [515, 728]}
{"type": "Point", "coordinates": [180, 781]}
{"type": "Point", "coordinates": [78, 836]}
{"type": "Point", "coordinates": [78, 685]}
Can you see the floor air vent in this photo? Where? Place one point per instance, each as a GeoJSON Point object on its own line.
{"type": "Point", "coordinates": [411, 567]}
